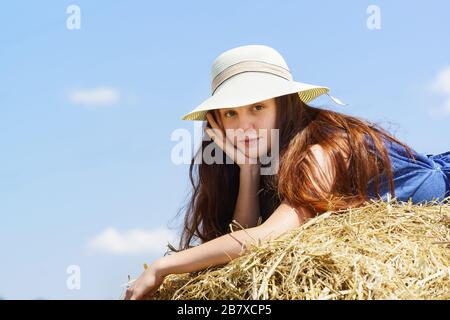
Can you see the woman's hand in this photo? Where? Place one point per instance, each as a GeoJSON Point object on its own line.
{"type": "Point", "coordinates": [218, 136]}
{"type": "Point", "coordinates": [146, 285]}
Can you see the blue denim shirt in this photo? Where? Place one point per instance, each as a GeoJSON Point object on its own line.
{"type": "Point", "coordinates": [425, 179]}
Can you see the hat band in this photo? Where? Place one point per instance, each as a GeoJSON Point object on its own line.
{"type": "Point", "coordinates": [246, 66]}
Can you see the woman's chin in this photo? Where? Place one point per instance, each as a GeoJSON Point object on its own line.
{"type": "Point", "coordinates": [253, 153]}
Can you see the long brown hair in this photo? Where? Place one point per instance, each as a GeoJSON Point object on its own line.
{"type": "Point", "coordinates": [342, 137]}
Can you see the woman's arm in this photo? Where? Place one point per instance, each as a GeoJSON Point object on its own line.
{"type": "Point", "coordinates": [247, 210]}
{"type": "Point", "coordinates": [223, 249]}
{"type": "Point", "coordinates": [218, 251]}
{"type": "Point", "coordinates": [227, 247]}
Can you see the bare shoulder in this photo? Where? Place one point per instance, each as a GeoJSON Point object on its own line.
{"type": "Point", "coordinates": [319, 153]}
{"type": "Point", "coordinates": [323, 157]}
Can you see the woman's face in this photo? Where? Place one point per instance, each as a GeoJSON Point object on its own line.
{"type": "Point", "coordinates": [255, 121]}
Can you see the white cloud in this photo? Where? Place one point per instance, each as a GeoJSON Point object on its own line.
{"type": "Point", "coordinates": [441, 83]}
{"type": "Point", "coordinates": [95, 97]}
{"type": "Point", "coordinates": [441, 86]}
{"type": "Point", "coordinates": [135, 241]}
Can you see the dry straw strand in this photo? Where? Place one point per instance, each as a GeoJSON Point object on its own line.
{"type": "Point", "coordinates": [381, 250]}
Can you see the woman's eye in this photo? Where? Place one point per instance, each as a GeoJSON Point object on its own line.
{"type": "Point", "coordinates": [259, 107]}
{"type": "Point", "coordinates": [229, 114]}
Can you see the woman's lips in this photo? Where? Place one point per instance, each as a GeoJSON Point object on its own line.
{"type": "Point", "coordinates": [250, 141]}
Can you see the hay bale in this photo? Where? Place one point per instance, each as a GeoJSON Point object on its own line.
{"type": "Point", "coordinates": [383, 250]}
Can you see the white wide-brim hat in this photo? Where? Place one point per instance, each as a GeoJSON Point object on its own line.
{"type": "Point", "coordinates": [249, 74]}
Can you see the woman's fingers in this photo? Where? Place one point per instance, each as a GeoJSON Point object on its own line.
{"type": "Point", "coordinates": [217, 137]}
{"type": "Point", "coordinates": [138, 293]}
{"type": "Point", "coordinates": [221, 139]}
{"type": "Point", "coordinates": [129, 293]}
{"type": "Point", "coordinates": [211, 120]}
{"type": "Point", "coordinates": [214, 124]}
{"type": "Point", "coordinates": [224, 143]}
{"type": "Point", "coordinates": [145, 286]}
{"type": "Point", "coordinates": [135, 293]}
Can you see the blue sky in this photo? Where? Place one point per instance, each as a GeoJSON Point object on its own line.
{"type": "Point", "coordinates": [86, 115]}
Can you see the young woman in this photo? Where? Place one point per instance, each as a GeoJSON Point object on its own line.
{"type": "Point", "coordinates": [326, 161]}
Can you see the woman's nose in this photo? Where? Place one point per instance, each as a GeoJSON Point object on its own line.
{"type": "Point", "coordinates": [248, 130]}
{"type": "Point", "coordinates": [247, 124]}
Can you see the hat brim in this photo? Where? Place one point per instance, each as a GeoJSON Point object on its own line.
{"type": "Point", "coordinates": [251, 87]}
